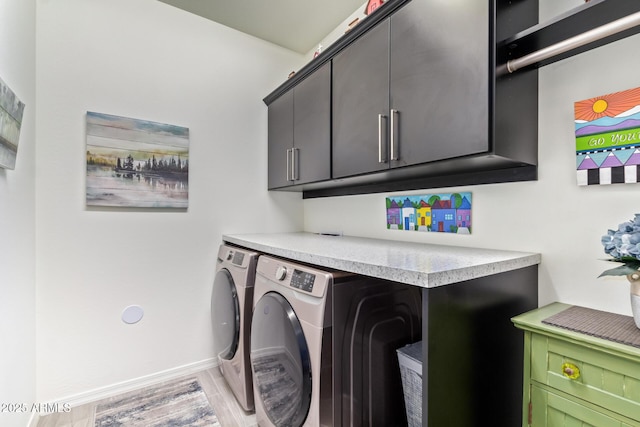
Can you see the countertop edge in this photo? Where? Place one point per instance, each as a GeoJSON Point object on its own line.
{"type": "Point", "coordinates": [423, 279]}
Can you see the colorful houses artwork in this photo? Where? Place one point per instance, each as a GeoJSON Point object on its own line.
{"type": "Point", "coordinates": [443, 213]}
{"type": "Point", "coordinates": [608, 138]}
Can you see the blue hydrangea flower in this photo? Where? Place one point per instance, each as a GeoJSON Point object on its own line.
{"type": "Point", "coordinates": [623, 245]}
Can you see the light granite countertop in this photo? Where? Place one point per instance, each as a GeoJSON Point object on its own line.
{"type": "Point", "coordinates": [418, 264]}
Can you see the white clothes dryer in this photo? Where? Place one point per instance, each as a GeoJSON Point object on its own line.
{"type": "Point", "coordinates": [231, 306]}
{"type": "Point", "coordinates": [291, 344]}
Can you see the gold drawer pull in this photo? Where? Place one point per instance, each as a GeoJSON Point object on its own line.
{"type": "Point", "coordinates": [570, 370]}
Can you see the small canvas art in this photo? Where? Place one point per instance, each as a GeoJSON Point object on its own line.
{"type": "Point", "coordinates": [442, 213]}
{"type": "Point", "coordinates": [11, 111]}
{"type": "Point", "coordinates": [136, 163]}
{"type": "Point", "coordinates": [607, 131]}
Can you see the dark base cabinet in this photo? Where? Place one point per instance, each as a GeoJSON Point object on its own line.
{"type": "Point", "coordinates": [371, 319]}
{"type": "Point", "coordinates": [472, 368]}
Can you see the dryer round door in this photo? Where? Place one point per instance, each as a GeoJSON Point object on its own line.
{"type": "Point", "coordinates": [225, 315]}
{"type": "Point", "coordinates": [280, 361]}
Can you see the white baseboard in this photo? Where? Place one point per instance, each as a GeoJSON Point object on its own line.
{"type": "Point", "coordinates": [136, 383]}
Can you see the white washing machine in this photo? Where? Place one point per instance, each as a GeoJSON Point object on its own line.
{"type": "Point", "coordinates": [231, 307]}
{"type": "Point", "coordinates": [323, 346]}
{"type": "Point", "coordinates": [291, 344]}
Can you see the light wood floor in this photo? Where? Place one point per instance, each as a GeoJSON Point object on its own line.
{"type": "Point", "coordinates": [220, 396]}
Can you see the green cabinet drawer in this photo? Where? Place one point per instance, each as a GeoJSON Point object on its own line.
{"type": "Point", "coordinates": [549, 409]}
{"type": "Point", "coordinates": [608, 380]}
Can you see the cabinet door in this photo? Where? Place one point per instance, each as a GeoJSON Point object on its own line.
{"type": "Point", "coordinates": [440, 80]}
{"type": "Point", "coordinates": [280, 133]}
{"type": "Point", "coordinates": [549, 409]}
{"type": "Point", "coordinates": [608, 380]}
{"type": "Point", "coordinates": [312, 127]}
{"type": "Point", "coordinates": [360, 95]}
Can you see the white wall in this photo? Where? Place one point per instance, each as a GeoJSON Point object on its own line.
{"type": "Point", "coordinates": [339, 31]}
{"type": "Point", "coordinates": [552, 216]}
{"type": "Point", "coordinates": [147, 60]}
{"type": "Point", "coordinates": [17, 218]}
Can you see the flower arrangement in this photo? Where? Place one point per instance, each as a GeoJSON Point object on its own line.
{"type": "Point", "coordinates": [623, 245]}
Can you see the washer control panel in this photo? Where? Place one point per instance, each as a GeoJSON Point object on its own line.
{"type": "Point", "coordinates": [302, 280]}
{"type": "Point", "coordinates": [236, 257]}
{"type": "Point", "coordinates": [299, 277]}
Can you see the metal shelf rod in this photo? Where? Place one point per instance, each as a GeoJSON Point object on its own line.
{"type": "Point", "coordinates": [587, 37]}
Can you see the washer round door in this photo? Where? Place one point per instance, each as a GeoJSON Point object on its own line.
{"type": "Point", "coordinates": [225, 315]}
{"type": "Point", "coordinates": [280, 361]}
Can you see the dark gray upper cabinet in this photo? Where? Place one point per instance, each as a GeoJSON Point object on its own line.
{"type": "Point", "coordinates": [413, 90]}
{"type": "Point", "coordinates": [361, 104]}
{"type": "Point", "coordinates": [439, 81]}
{"type": "Point", "coordinates": [300, 132]}
{"type": "Point", "coordinates": [312, 126]}
{"type": "Point", "coordinates": [417, 101]}
{"type": "Point", "coordinates": [422, 99]}
{"type": "Point", "coordinates": [280, 131]}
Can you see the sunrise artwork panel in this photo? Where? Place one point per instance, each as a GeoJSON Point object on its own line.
{"type": "Point", "coordinates": [607, 130]}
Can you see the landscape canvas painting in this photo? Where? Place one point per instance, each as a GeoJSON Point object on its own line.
{"type": "Point", "coordinates": [136, 163]}
{"type": "Point", "coordinates": [11, 111]}
{"type": "Point", "coordinates": [607, 130]}
{"type": "Point", "coordinates": [440, 213]}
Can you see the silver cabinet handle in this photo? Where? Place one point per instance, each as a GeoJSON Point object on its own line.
{"type": "Point", "coordinates": [381, 158]}
{"type": "Point", "coordinates": [394, 154]}
{"type": "Point", "coordinates": [294, 168]}
{"type": "Point", "coordinates": [288, 163]}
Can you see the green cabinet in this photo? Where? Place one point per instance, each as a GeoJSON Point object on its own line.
{"type": "Point", "coordinates": [573, 379]}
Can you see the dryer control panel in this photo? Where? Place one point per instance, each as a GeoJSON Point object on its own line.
{"type": "Point", "coordinates": [302, 280]}
{"type": "Point", "coordinates": [299, 277]}
{"type": "Point", "coordinates": [236, 257]}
